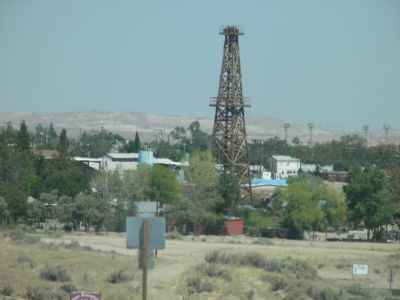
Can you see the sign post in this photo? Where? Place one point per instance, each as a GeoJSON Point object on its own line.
{"type": "Point", "coordinates": [146, 234]}
{"type": "Point", "coordinates": [390, 278]}
{"type": "Point", "coordinates": [144, 249]}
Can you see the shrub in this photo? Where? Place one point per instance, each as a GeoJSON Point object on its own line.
{"type": "Point", "coordinates": [68, 288]}
{"type": "Point", "coordinates": [193, 283]}
{"type": "Point", "coordinates": [300, 269]}
{"type": "Point", "coordinates": [7, 290]}
{"type": "Point", "coordinates": [358, 289]}
{"type": "Point", "coordinates": [254, 259]}
{"type": "Point", "coordinates": [318, 293]}
{"type": "Point", "coordinates": [262, 241]}
{"type": "Point", "coordinates": [213, 270]}
{"type": "Point", "coordinates": [249, 295]}
{"type": "Point", "coordinates": [119, 276]}
{"type": "Point", "coordinates": [21, 259]}
{"type": "Point", "coordinates": [56, 273]}
{"type": "Point", "coordinates": [174, 235]}
{"type": "Point", "coordinates": [277, 282]}
{"type": "Point", "coordinates": [35, 293]}
{"type": "Point", "coordinates": [205, 286]}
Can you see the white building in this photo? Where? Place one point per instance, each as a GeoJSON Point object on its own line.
{"type": "Point", "coordinates": [283, 166]}
{"type": "Point", "coordinates": [120, 161]}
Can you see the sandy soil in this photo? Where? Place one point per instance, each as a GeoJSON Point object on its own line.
{"type": "Point", "coordinates": [180, 255]}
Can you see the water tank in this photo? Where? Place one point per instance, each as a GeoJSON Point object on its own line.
{"type": "Point", "coordinates": [146, 157]}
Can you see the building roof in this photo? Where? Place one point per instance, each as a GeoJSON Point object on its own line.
{"type": "Point", "coordinates": [284, 158]}
{"type": "Point", "coordinates": [123, 155]}
{"type": "Point", "coordinates": [87, 159]}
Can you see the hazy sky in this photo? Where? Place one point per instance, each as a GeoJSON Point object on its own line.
{"type": "Point", "coordinates": [328, 62]}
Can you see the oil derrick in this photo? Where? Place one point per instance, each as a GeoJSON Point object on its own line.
{"type": "Point", "coordinates": [229, 138]}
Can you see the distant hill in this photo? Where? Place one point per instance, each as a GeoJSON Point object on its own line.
{"type": "Point", "coordinates": [126, 123]}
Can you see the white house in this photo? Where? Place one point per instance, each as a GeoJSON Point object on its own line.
{"type": "Point", "coordinates": [120, 161]}
{"type": "Point", "coordinates": [283, 166]}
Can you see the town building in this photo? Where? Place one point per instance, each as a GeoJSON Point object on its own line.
{"type": "Point", "coordinates": [283, 166]}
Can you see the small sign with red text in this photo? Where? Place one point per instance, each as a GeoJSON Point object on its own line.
{"type": "Point", "coordinates": [85, 296]}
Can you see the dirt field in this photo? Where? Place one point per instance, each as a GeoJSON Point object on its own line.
{"type": "Point", "coordinates": [332, 260]}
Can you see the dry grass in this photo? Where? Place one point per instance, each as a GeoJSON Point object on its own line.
{"type": "Point", "coordinates": [90, 270]}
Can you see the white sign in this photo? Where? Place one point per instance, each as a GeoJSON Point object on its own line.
{"type": "Point", "coordinates": [360, 269]}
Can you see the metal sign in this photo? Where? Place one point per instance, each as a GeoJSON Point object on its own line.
{"type": "Point", "coordinates": [360, 269]}
{"type": "Point", "coordinates": [85, 296]}
{"type": "Point", "coordinates": [146, 208]}
{"type": "Point", "coordinates": [150, 259]}
{"type": "Point", "coordinates": [134, 232]}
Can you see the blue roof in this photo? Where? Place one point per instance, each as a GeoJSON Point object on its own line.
{"type": "Point", "coordinates": [272, 182]}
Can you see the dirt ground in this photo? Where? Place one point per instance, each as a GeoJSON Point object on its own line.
{"type": "Point", "coordinates": [332, 259]}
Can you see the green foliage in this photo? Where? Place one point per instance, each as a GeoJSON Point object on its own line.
{"type": "Point", "coordinates": [312, 204]}
{"type": "Point", "coordinates": [63, 144]}
{"type": "Point", "coordinates": [54, 273]}
{"type": "Point", "coordinates": [119, 276]}
{"type": "Point", "coordinates": [368, 198]}
{"type": "Point", "coordinates": [259, 221]}
{"type": "Point", "coordinates": [133, 146]}
{"type": "Point", "coordinates": [229, 190]}
{"type": "Point", "coordinates": [23, 138]}
{"type": "Point", "coordinates": [163, 185]}
{"type": "Point", "coordinates": [95, 144]}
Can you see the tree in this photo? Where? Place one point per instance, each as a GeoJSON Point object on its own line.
{"type": "Point", "coordinates": [52, 133]}
{"type": "Point", "coordinates": [63, 144]}
{"type": "Point", "coordinates": [368, 198]}
{"type": "Point", "coordinates": [163, 185]}
{"type": "Point", "coordinates": [23, 139]}
{"type": "Point", "coordinates": [3, 210]}
{"type": "Point", "coordinates": [311, 204]}
{"type": "Point", "coordinates": [133, 146]}
{"type": "Point", "coordinates": [201, 188]}
{"type": "Point", "coordinates": [229, 190]}
{"type": "Point", "coordinates": [199, 139]}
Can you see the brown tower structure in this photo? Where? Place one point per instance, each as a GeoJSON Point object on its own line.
{"type": "Point", "coordinates": [229, 139]}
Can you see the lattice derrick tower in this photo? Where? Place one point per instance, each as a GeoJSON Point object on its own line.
{"type": "Point", "coordinates": [229, 138]}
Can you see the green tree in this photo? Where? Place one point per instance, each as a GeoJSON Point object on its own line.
{"type": "Point", "coordinates": [63, 144]}
{"type": "Point", "coordinates": [52, 134]}
{"type": "Point", "coordinates": [311, 204]}
{"type": "Point", "coordinates": [201, 188]}
{"type": "Point", "coordinates": [163, 185]}
{"type": "Point", "coordinates": [229, 190]}
{"type": "Point", "coordinates": [23, 138]}
{"type": "Point", "coordinates": [133, 146]}
{"type": "Point", "coordinates": [3, 210]}
{"type": "Point", "coordinates": [199, 139]}
{"type": "Point", "coordinates": [368, 198]}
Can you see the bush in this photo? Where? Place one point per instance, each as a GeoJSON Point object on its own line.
{"type": "Point", "coordinates": [262, 241]}
{"type": "Point", "coordinates": [300, 269]}
{"type": "Point", "coordinates": [21, 259]}
{"type": "Point", "coordinates": [35, 293]}
{"type": "Point", "coordinates": [213, 270]}
{"type": "Point", "coordinates": [277, 282]}
{"type": "Point", "coordinates": [318, 293]}
{"type": "Point", "coordinates": [358, 289]}
{"type": "Point", "coordinates": [68, 288]}
{"type": "Point", "coordinates": [119, 276]}
{"type": "Point", "coordinates": [174, 235]}
{"type": "Point", "coordinates": [56, 273]}
{"type": "Point", "coordinates": [198, 286]}
{"type": "Point", "coordinates": [254, 259]}
{"type": "Point", "coordinates": [7, 290]}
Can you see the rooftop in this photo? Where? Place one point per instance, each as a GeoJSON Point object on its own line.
{"type": "Point", "coordinates": [284, 158]}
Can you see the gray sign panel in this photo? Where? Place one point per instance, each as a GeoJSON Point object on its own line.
{"type": "Point", "coordinates": [134, 232]}
{"type": "Point", "coordinates": [150, 259]}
